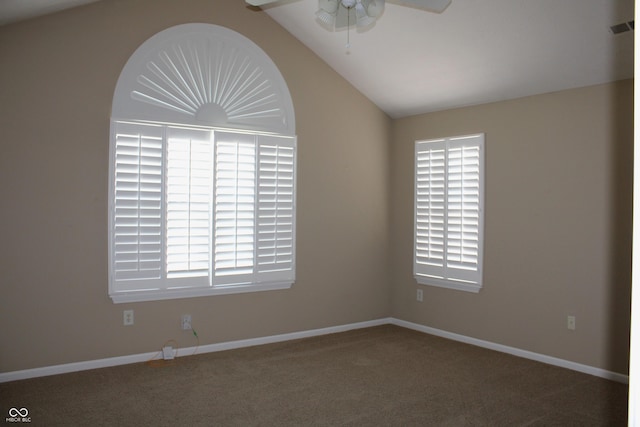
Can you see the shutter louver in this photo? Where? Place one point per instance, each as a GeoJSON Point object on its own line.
{"type": "Point", "coordinates": [137, 203]}
{"type": "Point", "coordinates": [275, 208]}
{"type": "Point", "coordinates": [234, 217]}
{"type": "Point", "coordinates": [189, 195]}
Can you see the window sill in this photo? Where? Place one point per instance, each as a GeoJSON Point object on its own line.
{"type": "Point", "coordinates": [167, 294]}
{"type": "Point", "coordinates": [449, 284]}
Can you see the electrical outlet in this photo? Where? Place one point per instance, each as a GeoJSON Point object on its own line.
{"type": "Point", "coordinates": [186, 322]}
{"type": "Point", "coordinates": [419, 295]}
{"type": "Point", "coordinates": [167, 353]}
{"type": "Point", "coordinates": [127, 317]}
{"type": "Point", "coordinates": [571, 323]}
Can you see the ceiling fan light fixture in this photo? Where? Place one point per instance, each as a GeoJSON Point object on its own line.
{"type": "Point", "coordinates": [362, 18]}
{"type": "Point", "coordinates": [335, 14]}
{"type": "Point", "coordinates": [329, 6]}
{"type": "Point", "coordinates": [375, 8]}
{"type": "Point", "coordinates": [326, 19]}
{"type": "Point", "coordinates": [327, 11]}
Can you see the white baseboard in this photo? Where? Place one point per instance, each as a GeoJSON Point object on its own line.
{"type": "Point", "coordinates": [609, 375]}
{"type": "Point", "coordinates": [209, 348]}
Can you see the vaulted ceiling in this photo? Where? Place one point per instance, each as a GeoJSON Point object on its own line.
{"type": "Point", "coordinates": [412, 61]}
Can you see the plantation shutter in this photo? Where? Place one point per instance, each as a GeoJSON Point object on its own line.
{"type": "Point", "coordinates": [254, 209]}
{"type": "Point", "coordinates": [463, 209]}
{"type": "Point", "coordinates": [136, 205]}
{"type": "Point", "coordinates": [276, 201]}
{"type": "Point", "coordinates": [235, 204]}
{"type": "Point", "coordinates": [430, 207]}
{"type": "Point", "coordinates": [189, 198]}
{"type": "Point", "coordinates": [196, 208]}
{"type": "Point", "coordinates": [449, 211]}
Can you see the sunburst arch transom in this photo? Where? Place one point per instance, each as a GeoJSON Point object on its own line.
{"type": "Point", "coordinates": [204, 74]}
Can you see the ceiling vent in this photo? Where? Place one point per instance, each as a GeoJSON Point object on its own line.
{"type": "Point", "coordinates": [622, 28]}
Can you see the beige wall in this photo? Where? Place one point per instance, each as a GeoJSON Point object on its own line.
{"type": "Point", "coordinates": [57, 79]}
{"type": "Point", "coordinates": [557, 210]}
{"type": "Point", "coordinates": [557, 224]}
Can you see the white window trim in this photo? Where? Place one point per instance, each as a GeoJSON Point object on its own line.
{"type": "Point", "coordinates": [441, 280]}
{"type": "Point", "coordinates": [166, 294]}
{"type": "Point", "coordinates": [205, 76]}
{"type": "Point", "coordinates": [447, 284]}
{"type": "Point", "coordinates": [172, 288]}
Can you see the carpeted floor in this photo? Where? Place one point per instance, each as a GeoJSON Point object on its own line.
{"type": "Point", "coordinates": [381, 376]}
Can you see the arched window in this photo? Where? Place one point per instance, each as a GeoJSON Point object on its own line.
{"type": "Point", "coordinates": [202, 169]}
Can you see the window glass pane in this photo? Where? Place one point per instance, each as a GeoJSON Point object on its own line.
{"type": "Point", "coordinates": [189, 201]}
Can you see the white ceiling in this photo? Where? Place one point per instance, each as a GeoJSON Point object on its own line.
{"type": "Point", "coordinates": [476, 51]}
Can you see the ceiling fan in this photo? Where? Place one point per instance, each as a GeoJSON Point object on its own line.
{"type": "Point", "coordinates": [336, 14]}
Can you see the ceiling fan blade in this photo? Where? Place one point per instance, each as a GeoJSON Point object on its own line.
{"type": "Point", "coordinates": [260, 2]}
{"type": "Point", "coordinates": [437, 6]}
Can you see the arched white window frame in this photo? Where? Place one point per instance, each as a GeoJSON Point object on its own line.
{"type": "Point", "coordinates": [210, 95]}
{"type": "Point", "coordinates": [204, 74]}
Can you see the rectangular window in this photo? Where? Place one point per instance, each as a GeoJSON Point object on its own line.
{"type": "Point", "coordinates": [448, 217]}
{"type": "Point", "coordinates": [196, 211]}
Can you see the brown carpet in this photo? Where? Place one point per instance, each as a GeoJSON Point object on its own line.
{"type": "Point", "coordinates": [381, 376]}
